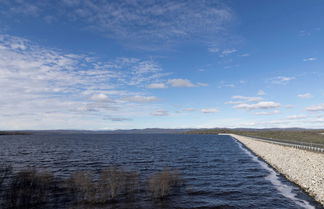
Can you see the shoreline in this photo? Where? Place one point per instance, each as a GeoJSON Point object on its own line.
{"type": "Point", "coordinates": [303, 168]}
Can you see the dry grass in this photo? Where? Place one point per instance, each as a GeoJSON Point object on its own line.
{"type": "Point", "coordinates": [161, 184]}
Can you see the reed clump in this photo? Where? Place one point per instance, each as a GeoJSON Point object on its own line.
{"type": "Point", "coordinates": [160, 185]}
{"type": "Point", "coordinates": [31, 188]}
{"type": "Point", "coordinates": [5, 172]}
{"type": "Point", "coordinates": [28, 189]}
{"type": "Point", "coordinates": [82, 186]}
{"type": "Point", "coordinates": [113, 183]}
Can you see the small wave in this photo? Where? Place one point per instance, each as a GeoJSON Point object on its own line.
{"type": "Point", "coordinates": [282, 188]}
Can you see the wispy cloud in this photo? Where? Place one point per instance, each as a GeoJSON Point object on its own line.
{"type": "Point", "coordinates": [137, 20]}
{"type": "Point", "coordinates": [228, 51]}
{"type": "Point", "coordinates": [310, 59]}
{"type": "Point", "coordinates": [224, 84]}
{"type": "Point", "coordinates": [227, 85]}
{"type": "Point", "coordinates": [179, 82]}
{"type": "Point", "coordinates": [296, 117]}
{"type": "Point", "coordinates": [141, 99]}
{"type": "Point", "coordinates": [268, 113]}
{"type": "Point", "coordinates": [222, 52]}
{"type": "Point", "coordinates": [157, 86]}
{"type": "Point", "coordinates": [305, 96]}
{"type": "Point", "coordinates": [100, 98]}
{"type": "Point", "coordinates": [316, 108]}
{"type": "Point", "coordinates": [282, 79]}
{"type": "Point", "coordinates": [202, 84]}
{"type": "Point", "coordinates": [259, 105]}
{"type": "Point", "coordinates": [160, 113]}
{"type": "Point", "coordinates": [189, 109]}
{"type": "Point", "coordinates": [209, 110]}
{"type": "Point", "coordinates": [245, 55]}
{"type": "Point", "coordinates": [249, 99]}
{"type": "Point", "coordinates": [39, 81]}
{"type": "Point", "coordinates": [261, 93]}
{"type": "Point", "coordinates": [118, 119]}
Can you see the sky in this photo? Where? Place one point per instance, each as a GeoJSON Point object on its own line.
{"type": "Point", "coordinates": [104, 65]}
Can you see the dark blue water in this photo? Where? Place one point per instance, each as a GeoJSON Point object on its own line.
{"type": "Point", "coordinates": [218, 171]}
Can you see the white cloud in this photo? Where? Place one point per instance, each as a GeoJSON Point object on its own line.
{"type": "Point", "coordinates": [310, 59]}
{"type": "Point", "coordinates": [261, 92]}
{"type": "Point", "coordinates": [259, 105]}
{"type": "Point", "coordinates": [178, 82]}
{"type": "Point", "coordinates": [305, 96]}
{"type": "Point", "coordinates": [248, 99]}
{"type": "Point", "coordinates": [209, 110]}
{"type": "Point", "coordinates": [160, 113]}
{"type": "Point", "coordinates": [139, 98]}
{"type": "Point", "coordinates": [157, 86]}
{"type": "Point", "coordinates": [316, 108]}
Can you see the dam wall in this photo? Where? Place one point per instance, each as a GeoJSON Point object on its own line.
{"type": "Point", "coordinates": [304, 168]}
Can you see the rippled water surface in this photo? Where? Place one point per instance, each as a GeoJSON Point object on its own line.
{"type": "Point", "coordinates": [218, 171]}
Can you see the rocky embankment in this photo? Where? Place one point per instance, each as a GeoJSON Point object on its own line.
{"type": "Point", "coordinates": [304, 168]}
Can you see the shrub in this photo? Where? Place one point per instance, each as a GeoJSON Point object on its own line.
{"type": "Point", "coordinates": [160, 185]}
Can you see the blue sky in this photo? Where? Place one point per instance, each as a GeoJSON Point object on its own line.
{"type": "Point", "coordinates": [73, 64]}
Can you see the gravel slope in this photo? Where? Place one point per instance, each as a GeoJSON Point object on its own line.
{"type": "Point", "coordinates": [302, 167]}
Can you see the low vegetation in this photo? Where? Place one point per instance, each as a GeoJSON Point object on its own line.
{"type": "Point", "coordinates": [31, 188]}
{"type": "Point", "coordinates": [298, 135]}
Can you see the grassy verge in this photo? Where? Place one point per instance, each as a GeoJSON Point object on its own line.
{"type": "Point", "coordinates": [298, 135]}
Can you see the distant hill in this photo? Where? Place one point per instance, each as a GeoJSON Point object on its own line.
{"type": "Point", "coordinates": [152, 131]}
{"type": "Point", "coordinates": [14, 133]}
{"type": "Point", "coordinates": [128, 131]}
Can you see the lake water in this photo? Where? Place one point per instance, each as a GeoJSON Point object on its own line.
{"type": "Point", "coordinates": [218, 171]}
